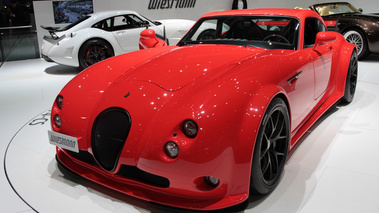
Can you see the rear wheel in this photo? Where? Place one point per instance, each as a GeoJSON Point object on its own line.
{"type": "Point", "coordinates": [351, 79]}
{"type": "Point", "coordinates": [356, 37]}
{"type": "Point", "coordinates": [94, 51]}
{"type": "Point", "coordinates": [271, 148]}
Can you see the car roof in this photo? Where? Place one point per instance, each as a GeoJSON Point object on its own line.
{"type": "Point", "coordinates": [106, 14]}
{"type": "Point", "coordinates": [299, 13]}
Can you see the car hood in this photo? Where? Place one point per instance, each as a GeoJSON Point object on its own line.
{"type": "Point", "coordinates": [180, 66]}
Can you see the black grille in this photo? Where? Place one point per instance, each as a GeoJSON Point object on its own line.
{"type": "Point", "coordinates": [109, 133]}
{"type": "Point", "coordinates": [142, 176]}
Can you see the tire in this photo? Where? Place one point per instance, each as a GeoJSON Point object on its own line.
{"type": "Point", "coordinates": [94, 51]}
{"type": "Point", "coordinates": [358, 38]}
{"type": "Point", "coordinates": [351, 80]}
{"type": "Point", "coordinates": [271, 149]}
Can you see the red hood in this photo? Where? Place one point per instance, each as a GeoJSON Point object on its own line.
{"type": "Point", "coordinates": [174, 69]}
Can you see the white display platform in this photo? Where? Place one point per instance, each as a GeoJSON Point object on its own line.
{"type": "Point", "coordinates": [334, 169]}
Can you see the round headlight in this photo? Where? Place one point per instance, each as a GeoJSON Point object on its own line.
{"type": "Point", "coordinates": [57, 120]}
{"type": "Point", "coordinates": [190, 128]}
{"type": "Point", "coordinates": [172, 149]}
{"type": "Point", "coordinates": [59, 101]}
{"type": "Point", "coordinates": [212, 181]}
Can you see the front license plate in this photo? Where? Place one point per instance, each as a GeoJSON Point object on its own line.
{"type": "Point", "coordinates": [63, 141]}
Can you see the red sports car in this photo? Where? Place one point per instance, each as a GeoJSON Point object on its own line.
{"type": "Point", "coordinates": [204, 124]}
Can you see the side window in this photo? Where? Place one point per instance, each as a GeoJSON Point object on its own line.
{"type": "Point", "coordinates": [121, 23]}
{"type": "Point", "coordinates": [206, 31]}
{"type": "Point", "coordinates": [311, 28]}
{"type": "Point", "coordinates": [104, 24]}
{"type": "Point", "coordinates": [127, 22]}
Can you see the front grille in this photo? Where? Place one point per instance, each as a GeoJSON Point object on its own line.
{"type": "Point", "coordinates": [142, 176]}
{"type": "Point", "coordinates": [109, 133]}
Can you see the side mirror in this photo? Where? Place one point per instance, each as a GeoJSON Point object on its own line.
{"type": "Point", "coordinates": [148, 39]}
{"type": "Point", "coordinates": [148, 34]}
{"type": "Point", "coordinates": [157, 23]}
{"type": "Point", "coordinates": [144, 24]}
{"type": "Point", "coordinates": [360, 10]}
{"type": "Point", "coordinates": [324, 38]}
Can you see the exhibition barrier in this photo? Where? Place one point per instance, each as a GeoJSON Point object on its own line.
{"type": "Point", "coordinates": [18, 43]}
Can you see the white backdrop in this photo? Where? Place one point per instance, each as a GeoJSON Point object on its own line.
{"type": "Point", "coordinates": [43, 10]}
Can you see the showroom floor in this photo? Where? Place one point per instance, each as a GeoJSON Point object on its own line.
{"type": "Point", "coordinates": [335, 168]}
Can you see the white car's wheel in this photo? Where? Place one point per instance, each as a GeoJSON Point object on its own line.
{"type": "Point", "coordinates": [94, 51]}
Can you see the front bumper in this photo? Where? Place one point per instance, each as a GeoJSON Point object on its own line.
{"type": "Point", "coordinates": [150, 187]}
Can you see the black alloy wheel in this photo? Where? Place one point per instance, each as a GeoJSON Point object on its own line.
{"type": "Point", "coordinates": [94, 51]}
{"type": "Point", "coordinates": [271, 149]}
{"type": "Point", "coordinates": [351, 79]}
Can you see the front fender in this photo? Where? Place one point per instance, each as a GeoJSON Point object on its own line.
{"type": "Point", "coordinates": [340, 66]}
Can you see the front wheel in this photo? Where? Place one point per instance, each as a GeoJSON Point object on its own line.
{"type": "Point", "coordinates": [351, 79]}
{"type": "Point", "coordinates": [94, 51]}
{"type": "Point", "coordinates": [359, 40]}
{"type": "Point", "coordinates": [271, 148]}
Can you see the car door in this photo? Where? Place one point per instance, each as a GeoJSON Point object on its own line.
{"type": "Point", "coordinates": [322, 55]}
{"type": "Point", "coordinates": [127, 29]}
{"type": "Point", "coordinates": [310, 81]}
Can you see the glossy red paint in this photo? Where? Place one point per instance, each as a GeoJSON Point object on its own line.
{"type": "Point", "coordinates": [330, 23]}
{"type": "Point", "coordinates": [148, 39]}
{"type": "Point", "coordinates": [224, 88]}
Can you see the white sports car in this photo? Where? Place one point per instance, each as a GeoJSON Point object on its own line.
{"type": "Point", "coordinates": [104, 34]}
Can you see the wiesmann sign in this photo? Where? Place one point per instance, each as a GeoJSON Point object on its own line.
{"type": "Point", "coordinates": [170, 4]}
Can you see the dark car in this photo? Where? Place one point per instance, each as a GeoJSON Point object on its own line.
{"type": "Point", "coordinates": [358, 28]}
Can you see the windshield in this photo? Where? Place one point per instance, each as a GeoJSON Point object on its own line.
{"type": "Point", "coordinates": [335, 8]}
{"type": "Point", "coordinates": [261, 31]}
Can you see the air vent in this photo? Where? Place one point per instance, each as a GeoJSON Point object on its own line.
{"type": "Point", "coordinates": [109, 133]}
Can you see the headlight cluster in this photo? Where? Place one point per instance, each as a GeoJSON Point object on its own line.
{"type": "Point", "coordinates": [59, 101]}
{"type": "Point", "coordinates": [172, 149]}
{"type": "Point", "coordinates": [190, 130]}
{"type": "Point", "coordinates": [57, 119]}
